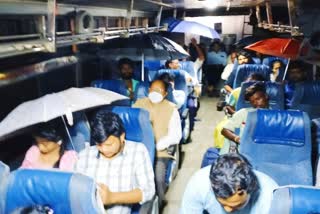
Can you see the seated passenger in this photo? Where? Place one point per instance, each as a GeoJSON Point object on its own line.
{"type": "Point", "coordinates": [166, 126]}
{"type": "Point", "coordinates": [277, 71]}
{"type": "Point", "coordinates": [234, 96]}
{"type": "Point", "coordinates": [49, 151]}
{"type": "Point", "coordinates": [243, 57]}
{"type": "Point", "coordinates": [296, 73]}
{"type": "Point", "coordinates": [126, 67]}
{"type": "Point", "coordinates": [256, 95]}
{"type": "Point", "coordinates": [179, 96]}
{"type": "Point", "coordinates": [230, 185]}
{"type": "Point", "coordinates": [175, 65]}
{"type": "Point", "coordinates": [122, 168]}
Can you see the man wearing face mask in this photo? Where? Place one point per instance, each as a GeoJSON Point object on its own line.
{"type": "Point", "coordinates": [166, 126]}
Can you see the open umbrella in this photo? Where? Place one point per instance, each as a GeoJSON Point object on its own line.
{"type": "Point", "coordinates": [181, 26]}
{"type": "Point", "coordinates": [281, 47]}
{"type": "Point", "coordinates": [143, 47]}
{"type": "Point", "coordinates": [55, 105]}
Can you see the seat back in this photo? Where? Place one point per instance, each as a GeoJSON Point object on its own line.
{"type": "Point", "coordinates": [244, 71]}
{"type": "Point", "coordinates": [63, 192]}
{"type": "Point", "coordinates": [4, 174]}
{"type": "Point", "coordinates": [269, 60]}
{"type": "Point", "coordinates": [79, 132]}
{"type": "Point", "coordinates": [179, 78]}
{"type": "Point", "coordinates": [137, 125]}
{"type": "Point", "coordinates": [256, 60]}
{"type": "Point", "coordinates": [306, 97]}
{"type": "Point", "coordinates": [295, 200]}
{"type": "Point", "coordinates": [188, 66]}
{"type": "Point", "coordinates": [275, 93]}
{"type": "Point", "coordinates": [278, 143]}
{"type": "Point", "coordinates": [152, 67]}
{"type": "Point", "coordinates": [117, 86]}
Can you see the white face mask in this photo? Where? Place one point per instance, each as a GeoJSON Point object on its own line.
{"type": "Point", "coordinates": [155, 97]}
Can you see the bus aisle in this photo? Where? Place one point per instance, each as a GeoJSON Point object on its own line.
{"type": "Point", "coordinates": [192, 153]}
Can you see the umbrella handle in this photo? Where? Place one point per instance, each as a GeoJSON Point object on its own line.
{"type": "Point", "coordinates": [68, 133]}
{"type": "Point", "coordinates": [286, 70]}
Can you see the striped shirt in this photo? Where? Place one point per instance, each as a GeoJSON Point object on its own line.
{"type": "Point", "coordinates": [127, 171]}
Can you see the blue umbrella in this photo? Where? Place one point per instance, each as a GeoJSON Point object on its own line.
{"type": "Point", "coordinates": [180, 26]}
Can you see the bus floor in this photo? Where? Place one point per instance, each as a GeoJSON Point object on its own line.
{"type": "Point", "coordinates": [192, 153]}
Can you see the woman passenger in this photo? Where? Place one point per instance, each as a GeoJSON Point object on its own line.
{"type": "Point", "coordinates": [49, 149]}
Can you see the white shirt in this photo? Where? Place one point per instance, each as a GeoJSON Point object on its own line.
{"type": "Point", "coordinates": [174, 132]}
{"type": "Point", "coordinates": [227, 71]}
{"type": "Point", "coordinates": [179, 97]}
{"type": "Point", "coordinates": [198, 69]}
{"type": "Point", "coordinates": [130, 169]}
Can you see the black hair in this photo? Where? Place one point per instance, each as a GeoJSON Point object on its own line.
{"type": "Point", "coordinates": [244, 53]}
{"type": "Point", "coordinates": [215, 43]}
{"type": "Point", "coordinates": [256, 77]}
{"type": "Point", "coordinates": [275, 61]}
{"type": "Point", "coordinates": [166, 77]}
{"type": "Point", "coordinates": [230, 173]}
{"type": "Point", "coordinates": [53, 130]}
{"type": "Point", "coordinates": [165, 84]}
{"type": "Point", "coordinates": [250, 91]}
{"type": "Point", "coordinates": [105, 124]}
{"type": "Point", "coordinates": [167, 63]}
{"type": "Point", "coordinates": [127, 61]}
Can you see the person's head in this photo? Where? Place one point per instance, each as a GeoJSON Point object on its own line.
{"type": "Point", "coordinates": [172, 64]}
{"type": "Point", "coordinates": [126, 67]}
{"type": "Point", "coordinates": [257, 96]}
{"type": "Point", "coordinates": [233, 56]}
{"type": "Point", "coordinates": [215, 46]}
{"type": "Point", "coordinates": [49, 136]}
{"type": "Point", "coordinates": [243, 57]}
{"type": "Point", "coordinates": [233, 181]}
{"type": "Point", "coordinates": [276, 65]}
{"type": "Point", "coordinates": [297, 71]}
{"type": "Point", "coordinates": [167, 78]}
{"type": "Point", "coordinates": [158, 91]}
{"type": "Point", "coordinates": [255, 77]}
{"type": "Point", "coordinates": [107, 133]}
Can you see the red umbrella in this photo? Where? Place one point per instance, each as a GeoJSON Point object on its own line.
{"type": "Point", "coordinates": [280, 47]}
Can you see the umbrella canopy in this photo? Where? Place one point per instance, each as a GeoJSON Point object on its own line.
{"type": "Point", "coordinates": [280, 47]}
{"type": "Point", "coordinates": [180, 26]}
{"type": "Point", "coordinates": [55, 105]}
{"type": "Point", "coordinates": [148, 46]}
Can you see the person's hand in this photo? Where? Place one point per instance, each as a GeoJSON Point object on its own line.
{"type": "Point", "coordinates": [105, 193]}
{"type": "Point", "coordinates": [193, 41]}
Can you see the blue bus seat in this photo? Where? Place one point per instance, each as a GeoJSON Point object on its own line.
{"type": "Point", "coordinates": [117, 86]}
{"type": "Point", "coordinates": [152, 66]}
{"type": "Point", "coordinates": [269, 60]}
{"type": "Point", "coordinates": [188, 66]}
{"type": "Point", "coordinates": [244, 71]}
{"type": "Point", "coordinates": [63, 192]}
{"type": "Point", "coordinates": [275, 92]}
{"type": "Point", "coordinates": [306, 97]}
{"type": "Point", "coordinates": [210, 156]}
{"type": "Point", "coordinates": [79, 132]}
{"type": "Point", "coordinates": [295, 200]}
{"type": "Point", "coordinates": [256, 60]}
{"type": "Point", "coordinates": [278, 143]}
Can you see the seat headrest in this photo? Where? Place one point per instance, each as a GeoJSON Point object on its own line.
{"type": "Point", "coordinates": [268, 60]}
{"type": "Point", "coordinates": [287, 127]}
{"type": "Point", "coordinates": [188, 66]}
{"type": "Point", "coordinates": [244, 71]}
{"type": "Point", "coordinates": [256, 60]}
{"type": "Point", "coordinates": [55, 189]}
{"type": "Point", "coordinates": [295, 200]}
{"type": "Point", "coordinates": [117, 86]}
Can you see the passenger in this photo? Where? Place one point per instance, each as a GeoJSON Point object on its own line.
{"type": "Point", "coordinates": [230, 185]}
{"type": "Point", "coordinates": [229, 67]}
{"type": "Point", "coordinates": [126, 67]}
{"type": "Point", "coordinates": [179, 96]}
{"type": "Point", "coordinates": [216, 61]}
{"type": "Point", "coordinates": [296, 74]}
{"type": "Point", "coordinates": [122, 168]}
{"type": "Point", "coordinates": [243, 57]}
{"type": "Point", "coordinates": [175, 65]}
{"type": "Point", "coordinates": [49, 151]}
{"type": "Point", "coordinates": [277, 69]}
{"type": "Point", "coordinates": [256, 95]}
{"type": "Point", "coordinates": [166, 126]}
{"type": "Point", "coordinates": [234, 96]}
